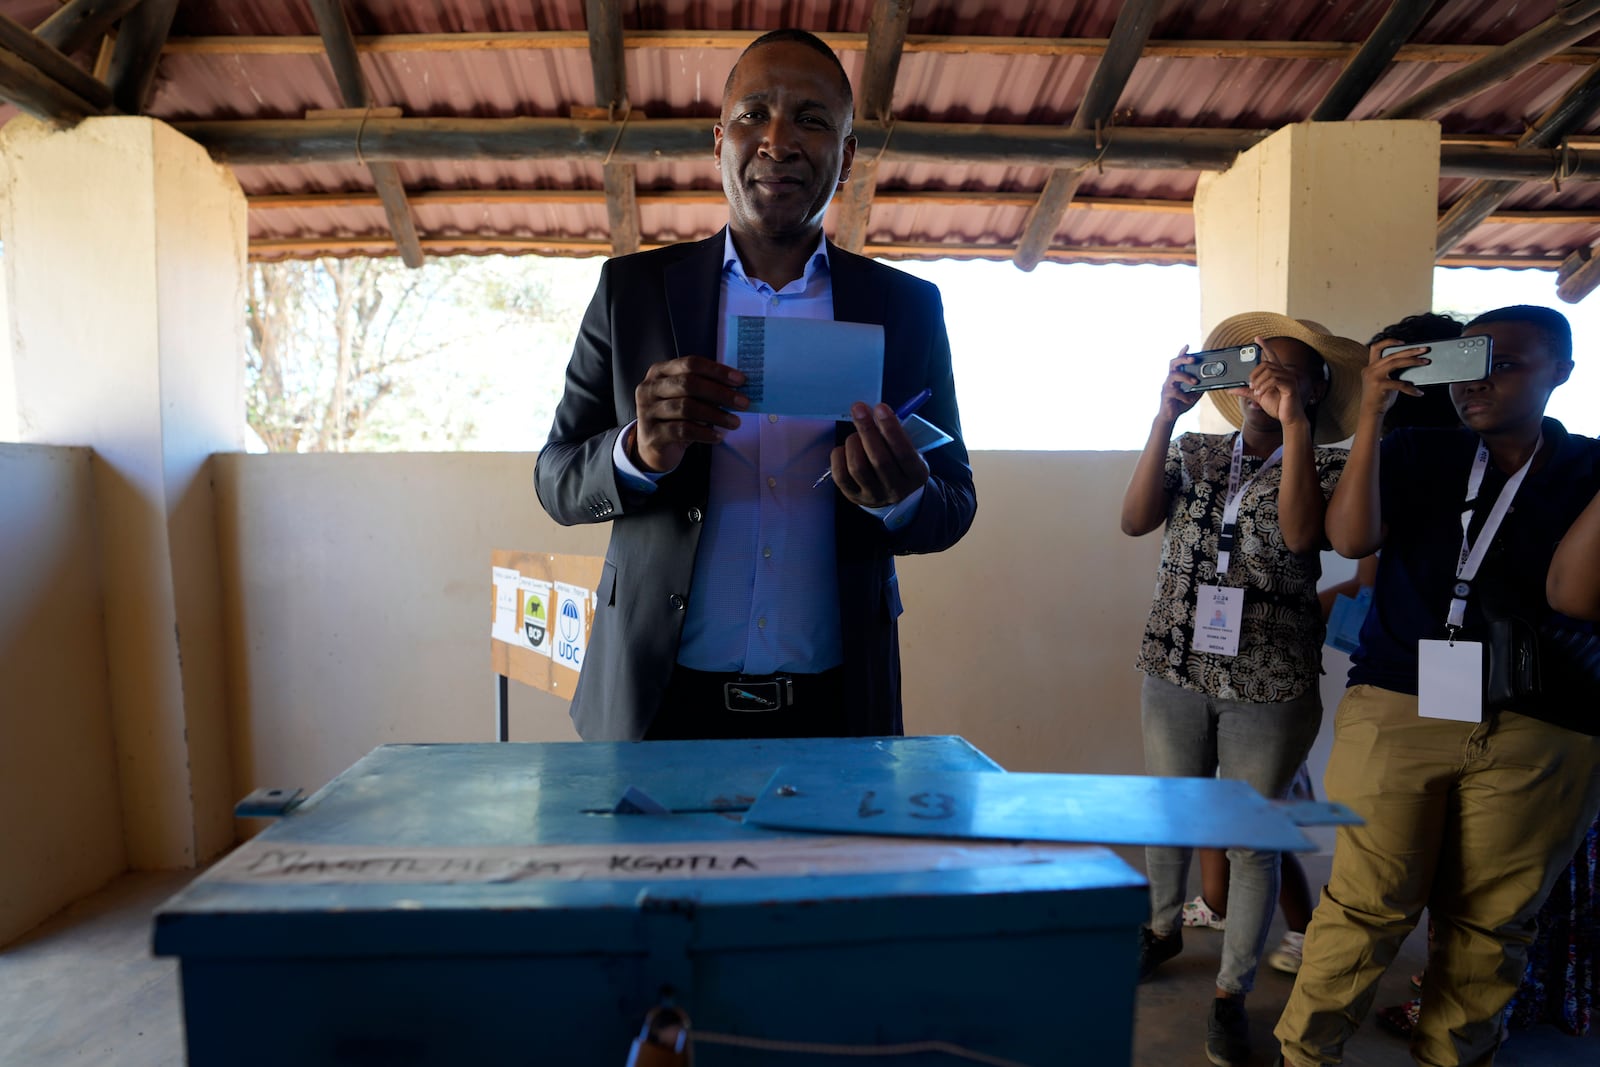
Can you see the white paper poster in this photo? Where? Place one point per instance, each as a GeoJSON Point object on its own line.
{"type": "Point", "coordinates": [533, 595]}
{"type": "Point", "coordinates": [504, 627]}
{"type": "Point", "coordinates": [567, 639]}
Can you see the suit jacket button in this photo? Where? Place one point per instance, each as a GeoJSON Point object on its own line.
{"type": "Point", "coordinates": [695, 515]}
{"type": "Point", "coordinates": [676, 600]}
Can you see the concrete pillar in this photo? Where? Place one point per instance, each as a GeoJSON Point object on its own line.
{"type": "Point", "coordinates": [9, 430]}
{"type": "Point", "coordinates": [124, 263]}
{"type": "Point", "coordinates": [1331, 221]}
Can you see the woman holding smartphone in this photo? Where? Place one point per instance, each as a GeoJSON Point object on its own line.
{"type": "Point", "coordinates": [1232, 649]}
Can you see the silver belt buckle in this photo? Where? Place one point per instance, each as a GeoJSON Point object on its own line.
{"type": "Point", "coordinates": [753, 696]}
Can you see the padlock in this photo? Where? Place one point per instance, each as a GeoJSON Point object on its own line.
{"type": "Point", "coordinates": [663, 1040]}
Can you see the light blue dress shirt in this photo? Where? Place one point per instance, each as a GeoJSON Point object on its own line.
{"type": "Point", "coordinates": [764, 597]}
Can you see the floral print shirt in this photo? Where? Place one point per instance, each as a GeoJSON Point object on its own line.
{"type": "Point", "coordinates": [1280, 635]}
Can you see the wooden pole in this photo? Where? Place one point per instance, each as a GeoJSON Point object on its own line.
{"type": "Point", "coordinates": [1571, 112]}
{"type": "Point", "coordinates": [1550, 36]}
{"type": "Point", "coordinates": [1578, 275]}
{"type": "Point", "coordinates": [916, 44]}
{"type": "Point", "coordinates": [23, 84]}
{"type": "Point", "coordinates": [340, 46]}
{"type": "Point", "coordinates": [137, 53]}
{"type": "Point", "coordinates": [1369, 64]}
{"type": "Point", "coordinates": [663, 140]}
{"type": "Point", "coordinates": [1128, 37]}
{"type": "Point", "coordinates": [81, 22]}
{"type": "Point", "coordinates": [886, 37]}
{"type": "Point", "coordinates": [17, 39]}
{"type": "Point", "coordinates": [611, 95]}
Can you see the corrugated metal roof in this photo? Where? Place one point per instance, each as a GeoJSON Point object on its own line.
{"type": "Point", "coordinates": [966, 61]}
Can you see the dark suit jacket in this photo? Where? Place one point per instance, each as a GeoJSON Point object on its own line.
{"type": "Point", "coordinates": [663, 304]}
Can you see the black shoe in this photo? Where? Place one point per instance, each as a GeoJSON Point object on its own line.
{"type": "Point", "coordinates": [1227, 1033]}
{"type": "Point", "coordinates": [1154, 950]}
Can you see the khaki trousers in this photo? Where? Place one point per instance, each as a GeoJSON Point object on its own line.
{"type": "Point", "coordinates": [1473, 821]}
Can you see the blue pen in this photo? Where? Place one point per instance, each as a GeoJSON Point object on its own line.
{"type": "Point", "coordinates": [903, 412]}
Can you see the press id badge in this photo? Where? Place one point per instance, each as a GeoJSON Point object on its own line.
{"type": "Point", "coordinates": [1450, 680]}
{"type": "Point", "coordinates": [1217, 612]}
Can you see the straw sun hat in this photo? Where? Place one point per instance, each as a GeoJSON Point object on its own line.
{"type": "Point", "coordinates": [1336, 414]}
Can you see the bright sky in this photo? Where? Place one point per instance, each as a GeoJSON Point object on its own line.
{"type": "Point", "coordinates": [1072, 356]}
{"type": "Point", "coordinates": [1068, 357]}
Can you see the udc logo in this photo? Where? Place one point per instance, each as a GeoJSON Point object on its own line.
{"type": "Point", "coordinates": [570, 622]}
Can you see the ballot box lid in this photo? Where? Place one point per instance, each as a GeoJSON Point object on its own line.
{"type": "Point", "coordinates": [494, 849]}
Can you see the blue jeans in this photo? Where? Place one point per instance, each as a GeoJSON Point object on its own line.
{"type": "Point", "coordinates": [1188, 734]}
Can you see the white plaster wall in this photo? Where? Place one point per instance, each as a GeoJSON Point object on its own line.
{"type": "Point", "coordinates": [201, 245]}
{"type": "Point", "coordinates": [60, 817]}
{"type": "Point", "coordinates": [357, 600]}
{"type": "Point", "coordinates": [9, 430]}
{"type": "Point", "coordinates": [124, 258]}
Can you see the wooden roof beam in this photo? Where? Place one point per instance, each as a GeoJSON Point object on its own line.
{"type": "Point", "coordinates": [424, 198]}
{"type": "Point", "coordinates": [936, 44]}
{"type": "Point", "coordinates": [470, 244]}
{"type": "Point", "coordinates": [340, 45]}
{"type": "Point", "coordinates": [669, 140]}
{"type": "Point", "coordinates": [26, 46]}
{"type": "Point", "coordinates": [1128, 36]}
{"type": "Point", "coordinates": [1545, 39]}
{"type": "Point", "coordinates": [81, 22]}
{"type": "Point", "coordinates": [611, 96]}
{"type": "Point", "coordinates": [1369, 64]}
{"type": "Point", "coordinates": [1571, 112]}
{"type": "Point", "coordinates": [140, 38]}
{"type": "Point", "coordinates": [886, 38]}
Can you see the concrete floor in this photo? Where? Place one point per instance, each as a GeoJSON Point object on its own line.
{"type": "Point", "coordinates": [83, 989]}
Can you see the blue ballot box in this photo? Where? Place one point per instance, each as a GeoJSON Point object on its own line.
{"type": "Point", "coordinates": [487, 904]}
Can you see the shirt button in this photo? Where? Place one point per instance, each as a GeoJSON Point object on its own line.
{"type": "Point", "coordinates": [761, 623]}
{"type": "Point", "coordinates": [695, 515]}
{"type": "Point", "coordinates": [772, 418]}
{"type": "Point", "coordinates": [773, 300]}
{"type": "Point", "coordinates": [676, 600]}
{"type": "Point", "coordinates": [766, 553]}
{"type": "Point", "coordinates": [772, 483]}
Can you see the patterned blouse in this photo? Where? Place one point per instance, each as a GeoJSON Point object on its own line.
{"type": "Point", "coordinates": [1280, 635]}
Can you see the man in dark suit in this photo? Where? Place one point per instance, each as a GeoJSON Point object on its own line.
{"type": "Point", "coordinates": [737, 600]}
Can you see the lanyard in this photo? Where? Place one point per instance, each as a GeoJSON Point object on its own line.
{"type": "Point", "coordinates": [1230, 510]}
{"type": "Point", "coordinates": [1472, 553]}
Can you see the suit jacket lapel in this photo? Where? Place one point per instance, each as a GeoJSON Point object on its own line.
{"type": "Point", "coordinates": [855, 299]}
{"type": "Point", "coordinates": [693, 293]}
{"type": "Point", "coordinates": [693, 287]}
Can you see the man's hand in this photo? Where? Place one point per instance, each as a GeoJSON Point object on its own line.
{"type": "Point", "coordinates": [877, 466]}
{"type": "Point", "coordinates": [683, 402]}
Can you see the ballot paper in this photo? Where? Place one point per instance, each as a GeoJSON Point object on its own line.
{"type": "Point", "coordinates": [807, 368]}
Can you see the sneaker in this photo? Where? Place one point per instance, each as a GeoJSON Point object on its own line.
{"type": "Point", "coordinates": [1155, 950]}
{"type": "Point", "coordinates": [1286, 957]}
{"type": "Point", "coordinates": [1198, 913]}
{"type": "Point", "coordinates": [1227, 1033]}
{"type": "Point", "coordinates": [1401, 1019]}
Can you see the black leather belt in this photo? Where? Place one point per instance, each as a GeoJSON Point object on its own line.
{"type": "Point", "coordinates": [767, 692]}
{"type": "Point", "coordinates": [759, 693]}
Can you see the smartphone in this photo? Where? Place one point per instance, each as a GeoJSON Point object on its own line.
{"type": "Point", "coordinates": [1221, 368]}
{"type": "Point", "coordinates": [1457, 359]}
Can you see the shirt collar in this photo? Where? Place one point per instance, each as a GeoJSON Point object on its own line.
{"type": "Point", "coordinates": [732, 264]}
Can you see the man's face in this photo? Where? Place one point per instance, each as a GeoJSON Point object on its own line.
{"type": "Point", "coordinates": [782, 145]}
{"type": "Point", "coordinates": [1520, 379]}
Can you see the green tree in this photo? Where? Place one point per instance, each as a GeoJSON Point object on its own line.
{"type": "Point", "coordinates": [363, 354]}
